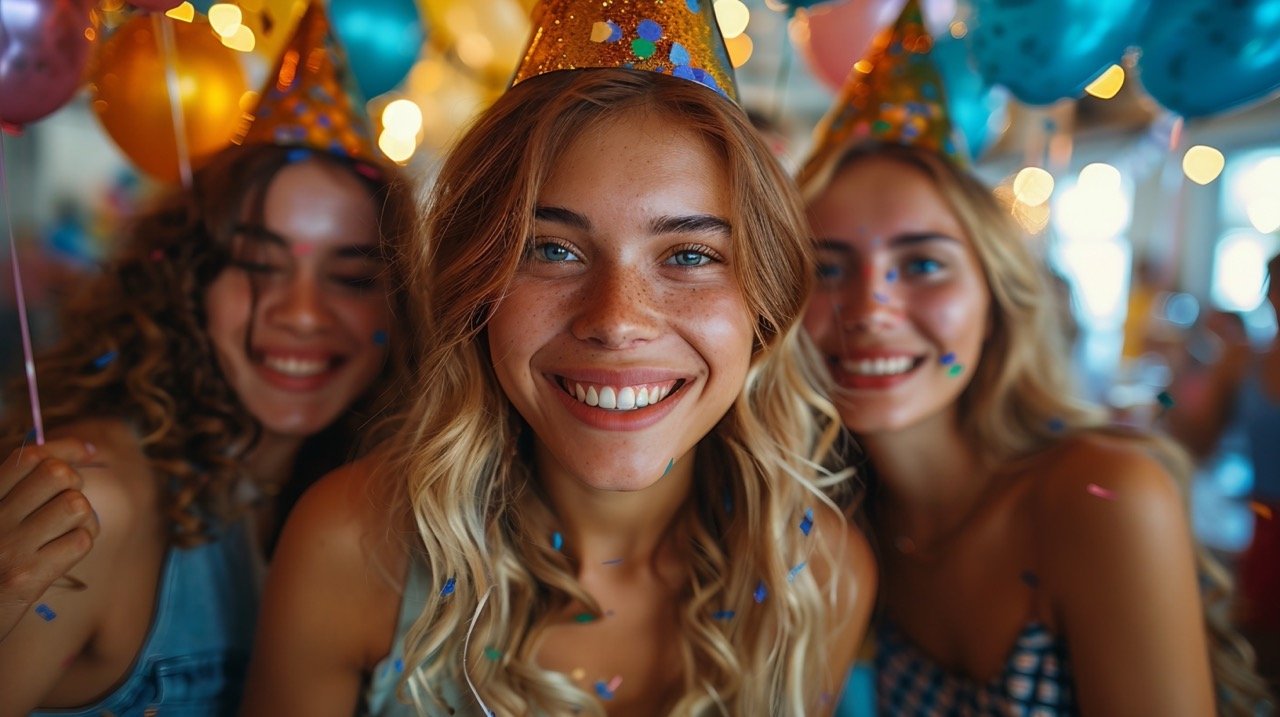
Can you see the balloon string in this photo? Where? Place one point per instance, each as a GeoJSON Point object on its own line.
{"type": "Point", "coordinates": [164, 30]}
{"type": "Point", "coordinates": [24, 328]}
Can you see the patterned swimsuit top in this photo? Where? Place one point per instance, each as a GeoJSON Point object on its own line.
{"type": "Point", "coordinates": [1035, 682]}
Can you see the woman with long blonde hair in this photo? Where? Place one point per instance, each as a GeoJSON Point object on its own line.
{"type": "Point", "coordinates": [608, 495]}
{"type": "Point", "coordinates": [1034, 560]}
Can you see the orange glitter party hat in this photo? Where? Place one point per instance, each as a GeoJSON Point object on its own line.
{"type": "Point", "coordinates": [674, 37]}
{"type": "Point", "coordinates": [894, 94]}
{"type": "Point", "coordinates": [311, 99]}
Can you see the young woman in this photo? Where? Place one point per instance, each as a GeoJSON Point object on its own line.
{"type": "Point", "coordinates": [1032, 561]}
{"type": "Point", "coordinates": [606, 498]}
{"type": "Point", "coordinates": [218, 365]}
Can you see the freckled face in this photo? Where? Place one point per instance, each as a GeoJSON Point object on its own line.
{"type": "Point", "coordinates": [901, 310]}
{"type": "Point", "coordinates": [625, 337]}
{"type": "Point", "coordinates": [313, 338]}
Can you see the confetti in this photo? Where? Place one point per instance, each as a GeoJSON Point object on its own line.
{"type": "Point", "coordinates": [791, 576]}
{"type": "Point", "coordinates": [611, 563]}
{"type": "Point", "coordinates": [398, 666]}
{"type": "Point", "coordinates": [583, 618]}
{"type": "Point", "coordinates": [1100, 492]}
{"type": "Point", "coordinates": [1057, 425]}
{"type": "Point", "coordinates": [881, 298]}
{"type": "Point", "coordinates": [947, 358]}
{"type": "Point", "coordinates": [1263, 510]}
{"type": "Point", "coordinates": [297, 155]}
{"type": "Point", "coordinates": [760, 593]}
{"type": "Point", "coordinates": [806, 525]}
{"type": "Point", "coordinates": [603, 691]}
{"type": "Point", "coordinates": [45, 612]}
{"type": "Point", "coordinates": [1030, 578]}
{"type": "Point", "coordinates": [380, 338]}
{"type": "Point", "coordinates": [956, 370]}
{"type": "Point", "coordinates": [891, 276]}
{"type": "Point", "coordinates": [447, 590]}
{"type": "Point", "coordinates": [615, 683]}
{"type": "Point", "coordinates": [723, 615]}
{"type": "Point", "coordinates": [670, 464]}
{"type": "Point", "coordinates": [492, 653]}
{"type": "Point", "coordinates": [105, 359]}
{"type": "Point", "coordinates": [557, 541]}
{"type": "Point", "coordinates": [1165, 399]}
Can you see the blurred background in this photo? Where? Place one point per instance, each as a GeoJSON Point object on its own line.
{"type": "Point", "coordinates": [1139, 145]}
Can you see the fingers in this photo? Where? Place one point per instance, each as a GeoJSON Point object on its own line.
{"type": "Point", "coordinates": [43, 487]}
{"type": "Point", "coordinates": [25, 459]}
{"type": "Point", "coordinates": [64, 513]}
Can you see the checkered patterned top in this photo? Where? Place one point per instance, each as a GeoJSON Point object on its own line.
{"type": "Point", "coordinates": [1036, 681]}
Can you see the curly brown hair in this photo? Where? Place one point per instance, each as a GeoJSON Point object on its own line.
{"type": "Point", "coordinates": [134, 345]}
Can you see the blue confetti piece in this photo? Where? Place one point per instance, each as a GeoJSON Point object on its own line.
{"type": "Point", "coordinates": [723, 615]}
{"type": "Point", "coordinates": [324, 121]}
{"type": "Point", "coordinates": [948, 359]}
{"type": "Point", "coordinates": [891, 276]}
{"type": "Point", "coordinates": [679, 55]}
{"type": "Point", "coordinates": [761, 592]}
{"type": "Point", "coordinates": [447, 590]}
{"type": "Point", "coordinates": [1057, 425]}
{"type": "Point", "coordinates": [399, 665]}
{"type": "Point", "coordinates": [45, 612]}
{"type": "Point", "coordinates": [791, 576]}
{"type": "Point", "coordinates": [297, 155]}
{"type": "Point", "coordinates": [105, 359]}
{"type": "Point", "coordinates": [557, 540]}
{"type": "Point", "coordinates": [615, 32]}
{"type": "Point", "coordinates": [692, 5]}
{"type": "Point", "coordinates": [806, 525]}
{"type": "Point", "coordinates": [380, 338]}
{"type": "Point", "coordinates": [603, 691]}
{"type": "Point", "coordinates": [881, 298]}
{"type": "Point", "coordinates": [670, 464]}
{"type": "Point", "coordinates": [649, 30]}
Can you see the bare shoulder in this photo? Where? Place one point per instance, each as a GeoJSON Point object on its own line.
{"type": "Point", "coordinates": [119, 482]}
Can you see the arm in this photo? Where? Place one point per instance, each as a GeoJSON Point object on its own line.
{"type": "Point", "coordinates": [327, 614]}
{"type": "Point", "coordinates": [35, 654]}
{"type": "Point", "coordinates": [1119, 567]}
{"type": "Point", "coordinates": [46, 524]}
{"type": "Point", "coordinates": [853, 570]}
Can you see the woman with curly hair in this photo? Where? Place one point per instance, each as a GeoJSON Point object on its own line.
{"type": "Point", "coordinates": [1033, 560]}
{"type": "Point", "coordinates": [607, 495]}
{"type": "Point", "coordinates": [225, 359]}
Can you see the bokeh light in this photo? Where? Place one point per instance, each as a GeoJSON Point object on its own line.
{"type": "Point", "coordinates": [1032, 186]}
{"type": "Point", "coordinates": [402, 117]}
{"type": "Point", "coordinates": [1202, 164]}
{"type": "Point", "coordinates": [732, 16]}
{"type": "Point", "coordinates": [1107, 84]}
{"type": "Point", "coordinates": [740, 49]}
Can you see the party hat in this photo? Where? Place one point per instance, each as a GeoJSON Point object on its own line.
{"type": "Point", "coordinates": [311, 99]}
{"type": "Point", "coordinates": [894, 94]}
{"type": "Point", "coordinates": [675, 37]}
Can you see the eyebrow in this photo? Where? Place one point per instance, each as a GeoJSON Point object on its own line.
{"type": "Point", "coordinates": [692, 223]}
{"type": "Point", "coordinates": [901, 240]}
{"type": "Point", "coordinates": [253, 232]}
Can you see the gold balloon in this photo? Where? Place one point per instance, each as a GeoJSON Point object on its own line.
{"type": "Point", "coordinates": [131, 94]}
{"type": "Point", "coordinates": [488, 38]}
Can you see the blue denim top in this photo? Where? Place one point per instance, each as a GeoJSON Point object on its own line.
{"type": "Point", "coordinates": [193, 660]}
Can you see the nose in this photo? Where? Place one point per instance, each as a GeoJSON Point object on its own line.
{"type": "Point", "coordinates": [869, 302]}
{"type": "Point", "coordinates": [616, 310]}
{"type": "Point", "coordinates": [297, 304]}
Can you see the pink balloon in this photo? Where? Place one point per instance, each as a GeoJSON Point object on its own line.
{"type": "Point", "coordinates": [156, 5]}
{"type": "Point", "coordinates": [44, 46]}
{"type": "Point", "coordinates": [832, 37]}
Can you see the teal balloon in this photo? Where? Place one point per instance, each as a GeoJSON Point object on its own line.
{"type": "Point", "coordinates": [1045, 50]}
{"type": "Point", "coordinates": [202, 6]}
{"type": "Point", "coordinates": [382, 39]}
{"type": "Point", "coordinates": [1203, 57]}
{"type": "Point", "coordinates": [977, 109]}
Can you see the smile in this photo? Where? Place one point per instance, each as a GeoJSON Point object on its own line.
{"type": "Point", "coordinates": [882, 366]}
{"type": "Point", "coordinates": [296, 367]}
{"type": "Point", "coordinates": [619, 398]}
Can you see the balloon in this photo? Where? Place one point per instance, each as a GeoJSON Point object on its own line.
{"type": "Point", "coordinates": [131, 96]}
{"type": "Point", "coordinates": [44, 47]}
{"type": "Point", "coordinates": [156, 5]}
{"type": "Point", "coordinates": [1045, 50]}
{"type": "Point", "coordinates": [489, 38]}
{"type": "Point", "coordinates": [382, 39]}
{"type": "Point", "coordinates": [978, 111]}
{"type": "Point", "coordinates": [1200, 57]}
{"type": "Point", "coordinates": [833, 37]}
{"type": "Point", "coordinates": [794, 6]}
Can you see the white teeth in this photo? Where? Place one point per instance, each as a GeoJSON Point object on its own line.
{"type": "Point", "coordinates": [295, 367]}
{"type": "Point", "coordinates": [878, 366]}
{"type": "Point", "coordinates": [608, 399]}
{"type": "Point", "coordinates": [625, 398]}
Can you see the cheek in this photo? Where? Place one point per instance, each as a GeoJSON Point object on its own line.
{"type": "Point", "coordinates": [718, 321]}
{"type": "Point", "coordinates": [820, 316]}
{"type": "Point", "coordinates": [959, 318]}
{"type": "Point", "coordinates": [227, 306]}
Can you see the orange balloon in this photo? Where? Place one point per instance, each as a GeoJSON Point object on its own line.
{"type": "Point", "coordinates": [130, 93]}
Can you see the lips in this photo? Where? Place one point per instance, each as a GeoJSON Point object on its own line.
{"type": "Point", "coordinates": [873, 371]}
{"type": "Point", "coordinates": [619, 398]}
{"type": "Point", "coordinates": [618, 401]}
{"type": "Point", "coordinates": [297, 371]}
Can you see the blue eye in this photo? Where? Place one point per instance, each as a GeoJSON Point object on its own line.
{"type": "Point", "coordinates": [923, 266]}
{"type": "Point", "coordinates": [830, 272]}
{"type": "Point", "coordinates": [552, 252]}
{"type": "Point", "coordinates": [689, 257]}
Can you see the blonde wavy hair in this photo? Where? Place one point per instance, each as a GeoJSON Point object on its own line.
{"type": "Point", "coordinates": [133, 344]}
{"type": "Point", "coordinates": [463, 455]}
{"type": "Point", "coordinates": [1021, 399]}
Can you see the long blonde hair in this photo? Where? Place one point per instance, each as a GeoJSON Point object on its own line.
{"type": "Point", "coordinates": [471, 490]}
{"type": "Point", "coordinates": [1021, 398]}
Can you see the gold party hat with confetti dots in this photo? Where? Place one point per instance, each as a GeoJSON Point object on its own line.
{"type": "Point", "coordinates": [311, 98]}
{"type": "Point", "coordinates": [894, 94]}
{"type": "Point", "coordinates": [674, 37]}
